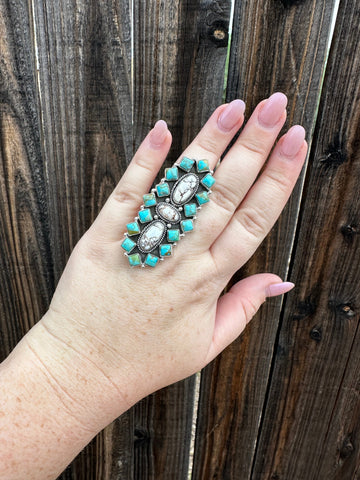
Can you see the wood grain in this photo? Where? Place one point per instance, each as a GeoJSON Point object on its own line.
{"type": "Point", "coordinates": [84, 84]}
{"type": "Point", "coordinates": [269, 52]}
{"type": "Point", "coordinates": [311, 423]}
{"type": "Point", "coordinates": [179, 68]}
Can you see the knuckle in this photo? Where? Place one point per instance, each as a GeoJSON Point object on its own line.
{"type": "Point", "coordinates": [209, 145]}
{"type": "Point", "coordinates": [253, 146]}
{"type": "Point", "coordinates": [127, 197]}
{"type": "Point", "coordinates": [225, 198]}
{"type": "Point", "coordinates": [253, 221]}
{"type": "Point", "coordinates": [279, 180]}
{"type": "Point", "coordinates": [143, 162]}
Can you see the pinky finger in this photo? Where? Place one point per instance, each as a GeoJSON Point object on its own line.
{"type": "Point", "coordinates": [124, 202]}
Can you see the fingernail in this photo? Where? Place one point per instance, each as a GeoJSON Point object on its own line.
{"type": "Point", "coordinates": [279, 288]}
{"type": "Point", "coordinates": [231, 115]}
{"type": "Point", "coordinates": [293, 141]}
{"type": "Point", "coordinates": [158, 133]}
{"type": "Point", "coordinates": [272, 110]}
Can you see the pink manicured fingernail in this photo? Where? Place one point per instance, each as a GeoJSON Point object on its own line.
{"type": "Point", "coordinates": [231, 115]}
{"type": "Point", "coordinates": [272, 110]}
{"type": "Point", "coordinates": [293, 140]}
{"type": "Point", "coordinates": [158, 133]}
{"type": "Point", "coordinates": [279, 288]}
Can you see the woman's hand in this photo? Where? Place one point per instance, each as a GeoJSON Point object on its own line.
{"type": "Point", "coordinates": [131, 331]}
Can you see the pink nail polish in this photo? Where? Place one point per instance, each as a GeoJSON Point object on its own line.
{"type": "Point", "coordinates": [231, 115]}
{"type": "Point", "coordinates": [272, 110]}
{"type": "Point", "coordinates": [292, 141]}
{"type": "Point", "coordinates": [279, 288]}
{"type": "Point", "coordinates": [158, 133]}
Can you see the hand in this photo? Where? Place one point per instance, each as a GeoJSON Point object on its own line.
{"type": "Point", "coordinates": [135, 330]}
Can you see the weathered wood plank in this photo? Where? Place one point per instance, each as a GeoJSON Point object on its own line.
{"type": "Point", "coordinates": [84, 84]}
{"type": "Point", "coordinates": [269, 52]}
{"type": "Point", "coordinates": [26, 270]}
{"type": "Point", "coordinates": [179, 66]}
{"type": "Point", "coordinates": [311, 425]}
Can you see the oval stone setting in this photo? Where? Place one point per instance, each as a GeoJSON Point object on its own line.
{"type": "Point", "coordinates": [168, 212]}
{"type": "Point", "coordinates": [184, 189]}
{"type": "Point", "coordinates": [151, 236]}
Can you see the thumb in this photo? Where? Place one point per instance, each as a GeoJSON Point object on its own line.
{"type": "Point", "coordinates": [236, 308]}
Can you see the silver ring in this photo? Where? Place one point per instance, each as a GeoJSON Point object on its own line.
{"type": "Point", "coordinates": [168, 212]}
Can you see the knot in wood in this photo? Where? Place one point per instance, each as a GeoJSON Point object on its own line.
{"type": "Point", "coordinates": [347, 448]}
{"type": "Point", "coordinates": [316, 334]}
{"type": "Point", "coordinates": [218, 33]}
{"type": "Point", "coordinates": [141, 436]}
{"type": "Point", "coordinates": [349, 231]}
{"type": "Point", "coordinates": [345, 309]}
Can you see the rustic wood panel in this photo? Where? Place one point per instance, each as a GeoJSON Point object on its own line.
{"type": "Point", "coordinates": [26, 269]}
{"type": "Point", "coordinates": [179, 67]}
{"type": "Point", "coordinates": [84, 89]}
{"type": "Point", "coordinates": [311, 425]}
{"type": "Point", "coordinates": [275, 46]}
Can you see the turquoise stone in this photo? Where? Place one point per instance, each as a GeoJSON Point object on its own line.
{"type": "Point", "coordinates": [202, 197]}
{"type": "Point", "coordinates": [165, 250]}
{"type": "Point", "coordinates": [208, 180]}
{"type": "Point", "coordinates": [203, 166]}
{"type": "Point", "coordinates": [163, 189]}
{"type": "Point", "coordinates": [171, 174]}
{"type": "Point", "coordinates": [190, 209]}
{"type": "Point", "coordinates": [134, 260]}
{"type": "Point", "coordinates": [186, 164]}
{"type": "Point", "coordinates": [133, 228]}
{"type": "Point", "coordinates": [128, 244]}
{"type": "Point", "coordinates": [145, 215]}
{"type": "Point", "coordinates": [186, 225]}
{"type": "Point", "coordinates": [173, 235]}
{"type": "Point", "coordinates": [151, 260]}
{"type": "Point", "coordinates": [149, 200]}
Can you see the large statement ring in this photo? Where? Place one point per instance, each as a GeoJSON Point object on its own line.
{"type": "Point", "coordinates": [168, 212]}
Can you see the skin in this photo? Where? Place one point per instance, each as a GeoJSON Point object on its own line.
{"type": "Point", "coordinates": [113, 334]}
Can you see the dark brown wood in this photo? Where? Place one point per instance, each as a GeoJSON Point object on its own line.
{"type": "Point", "coordinates": [274, 47]}
{"type": "Point", "coordinates": [311, 423]}
{"type": "Point", "coordinates": [179, 68]}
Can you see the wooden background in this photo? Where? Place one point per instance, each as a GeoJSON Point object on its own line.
{"type": "Point", "coordinates": [81, 83]}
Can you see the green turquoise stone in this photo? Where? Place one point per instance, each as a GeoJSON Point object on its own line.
{"type": "Point", "coordinates": [186, 225]}
{"type": "Point", "coordinates": [149, 200]}
{"type": "Point", "coordinates": [133, 228]}
{"type": "Point", "coordinates": [190, 209]}
{"type": "Point", "coordinates": [163, 189]}
{"type": "Point", "coordinates": [208, 180]}
{"type": "Point", "coordinates": [186, 164]}
{"type": "Point", "coordinates": [173, 235]}
{"type": "Point", "coordinates": [128, 244]}
{"type": "Point", "coordinates": [171, 174]}
{"type": "Point", "coordinates": [165, 250]}
{"type": "Point", "coordinates": [202, 198]}
{"type": "Point", "coordinates": [134, 260]}
{"type": "Point", "coordinates": [145, 215]}
{"type": "Point", "coordinates": [203, 166]}
{"type": "Point", "coordinates": [151, 260]}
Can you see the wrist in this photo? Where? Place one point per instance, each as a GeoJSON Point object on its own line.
{"type": "Point", "coordinates": [74, 370]}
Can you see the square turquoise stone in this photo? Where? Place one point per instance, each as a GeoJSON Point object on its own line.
{"type": "Point", "coordinates": [186, 164]}
{"type": "Point", "coordinates": [128, 244]}
{"type": "Point", "coordinates": [172, 173]}
{"type": "Point", "coordinates": [163, 189]}
{"type": "Point", "coordinates": [208, 180]}
{"type": "Point", "coordinates": [134, 260]}
{"type": "Point", "coordinates": [190, 209]}
{"type": "Point", "coordinates": [173, 235]}
{"type": "Point", "coordinates": [165, 250]}
{"type": "Point", "coordinates": [151, 260]}
{"type": "Point", "coordinates": [133, 228]}
{"type": "Point", "coordinates": [145, 215]}
{"type": "Point", "coordinates": [203, 166]}
{"type": "Point", "coordinates": [187, 225]}
{"type": "Point", "coordinates": [202, 198]}
{"type": "Point", "coordinates": [149, 200]}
